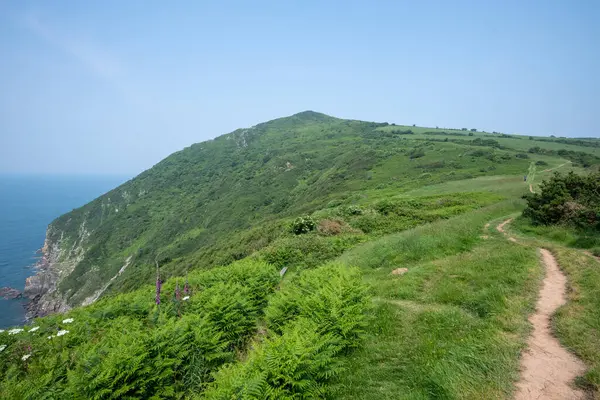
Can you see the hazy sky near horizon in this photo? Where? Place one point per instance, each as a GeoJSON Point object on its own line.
{"type": "Point", "coordinates": [115, 86]}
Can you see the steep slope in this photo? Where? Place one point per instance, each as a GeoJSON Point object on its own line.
{"type": "Point", "coordinates": [220, 200]}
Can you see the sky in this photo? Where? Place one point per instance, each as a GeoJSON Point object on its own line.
{"type": "Point", "coordinates": [112, 87]}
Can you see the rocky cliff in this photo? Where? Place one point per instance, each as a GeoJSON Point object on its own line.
{"type": "Point", "coordinates": [55, 264]}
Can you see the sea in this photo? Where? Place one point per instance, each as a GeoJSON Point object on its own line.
{"type": "Point", "coordinates": [28, 204]}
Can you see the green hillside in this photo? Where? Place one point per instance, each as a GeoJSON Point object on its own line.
{"type": "Point", "coordinates": [340, 204]}
{"type": "Point", "coordinates": [221, 200]}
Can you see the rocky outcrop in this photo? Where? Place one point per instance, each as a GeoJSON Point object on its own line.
{"type": "Point", "coordinates": [89, 300]}
{"type": "Point", "coordinates": [9, 293]}
{"type": "Point", "coordinates": [42, 288]}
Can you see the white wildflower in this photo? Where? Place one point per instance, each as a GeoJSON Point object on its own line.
{"type": "Point", "coordinates": [68, 320]}
{"type": "Point", "coordinates": [25, 357]}
{"type": "Point", "coordinates": [51, 336]}
{"type": "Point", "coordinates": [186, 298]}
{"type": "Point", "coordinates": [35, 328]}
{"type": "Point", "coordinates": [1, 330]}
{"type": "Point", "coordinates": [2, 348]}
{"type": "Point", "coordinates": [63, 332]}
{"type": "Point", "coordinates": [15, 331]}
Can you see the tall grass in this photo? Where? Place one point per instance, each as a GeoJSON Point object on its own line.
{"type": "Point", "coordinates": [428, 242]}
{"type": "Point", "coordinates": [457, 332]}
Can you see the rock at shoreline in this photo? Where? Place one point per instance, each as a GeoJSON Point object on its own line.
{"type": "Point", "coordinates": [9, 293]}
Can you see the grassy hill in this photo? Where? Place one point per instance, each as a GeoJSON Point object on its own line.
{"type": "Point", "coordinates": [195, 208]}
{"type": "Point", "coordinates": [221, 218]}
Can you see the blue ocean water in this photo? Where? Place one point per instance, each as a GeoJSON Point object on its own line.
{"type": "Point", "coordinates": [27, 205]}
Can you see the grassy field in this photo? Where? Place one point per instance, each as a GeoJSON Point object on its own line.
{"type": "Point", "coordinates": [452, 326]}
{"type": "Point", "coordinates": [516, 142]}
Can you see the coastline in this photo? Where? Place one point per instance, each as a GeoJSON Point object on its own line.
{"type": "Point", "coordinates": [41, 287]}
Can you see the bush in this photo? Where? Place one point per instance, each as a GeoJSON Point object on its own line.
{"type": "Point", "coordinates": [308, 251]}
{"type": "Point", "coordinates": [541, 163]}
{"type": "Point", "coordinates": [566, 199]}
{"type": "Point", "coordinates": [303, 225]}
{"type": "Point", "coordinates": [354, 210]}
{"type": "Point", "coordinates": [312, 320]}
{"type": "Point", "coordinates": [596, 251]}
{"type": "Point", "coordinates": [416, 153]}
{"type": "Point", "coordinates": [228, 307]}
{"type": "Point", "coordinates": [330, 227]}
{"type": "Point", "coordinates": [333, 296]}
{"type": "Point", "coordinates": [136, 362]}
{"type": "Point", "coordinates": [521, 155]}
{"type": "Point", "coordinates": [294, 365]}
{"type": "Point", "coordinates": [127, 347]}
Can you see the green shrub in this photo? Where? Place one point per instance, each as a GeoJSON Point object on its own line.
{"type": "Point", "coordinates": [569, 199]}
{"type": "Point", "coordinates": [541, 163]}
{"type": "Point", "coordinates": [294, 365]}
{"type": "Point", "coordinates": [136, 362]}
{"type": "Point", "coordinates": [311, 320]}
{"type": "Point", "coordinates": [303, 225]}
{"type": "Point", "coordinates": [258, 278]}
{"type": "Point", "coordinates": [333, 296]}
{"type": "Point", "coordinates": [416, 153]}
{"type": "Point", "coordinates": [308, 251]}
{"type": "Point", "coordinates": [230, 308]}
{"type": "Point", "coordinates": [354, 210]}
{"type": "Point", "coordinates": [596, 251]}
{"type": "Point", "coordinates": [127, 347]}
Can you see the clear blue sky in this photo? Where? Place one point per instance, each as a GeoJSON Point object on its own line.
{"type": "Point", "coordinates": [115, 86]}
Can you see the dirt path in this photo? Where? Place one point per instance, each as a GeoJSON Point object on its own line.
{"type": "Point", "coordinates": [531, 188]}
{"type": "Point", "coordinates": [561, 165]}
{"type": "Point", "coordinates": [500, 228]}
{"type": "Point", "coordinates": [547, 369]}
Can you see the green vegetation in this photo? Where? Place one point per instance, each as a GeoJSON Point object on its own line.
{"type": "Point", "coordinates": [126, 346]}
{"type": "Point", "coordinates": [578, 157]}
{"type": "Point", "coordinates": [314, 257]}
{"type": "Point", "coordinates": [564, 218]}
{"type": "Point", "coordinates": [567, 199]}
{"type": "Point", "coordinates": [219, 201]}
{"type": "Point", "coordinates": [313, 321]}
{"type": "Point", "coordinates": [578, 323]}
{"type": "Point", "coordinates": [451, 328]}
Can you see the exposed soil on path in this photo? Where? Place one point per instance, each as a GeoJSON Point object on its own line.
{"type": "Point", "coordinates": [561, 165]}
{"type": "Point", "coordinates": [500, 228]}
{"type": "Point", "coordinates": [547, 369]}
{"type": "Point", "coordinates": [531, 188]}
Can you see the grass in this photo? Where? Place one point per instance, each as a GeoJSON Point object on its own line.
{"type": "Point", "coordinates": [429, 241]}
{"type": "Point", "coordinates": [558, 234]}
{"type": "Point", "coordinates": [577, 324]}
{"type": "Point", "coordinates": [509, 185]}
{"type": "Point", "coordinates": [460, 325]}
{"type": "Point", "coordinates": [517, 142]}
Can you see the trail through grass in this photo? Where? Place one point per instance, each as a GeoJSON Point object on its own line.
{"type": "Point", "coordinates": [453, 326]}
{"type": "Point", "coordinates": [577, 323]}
